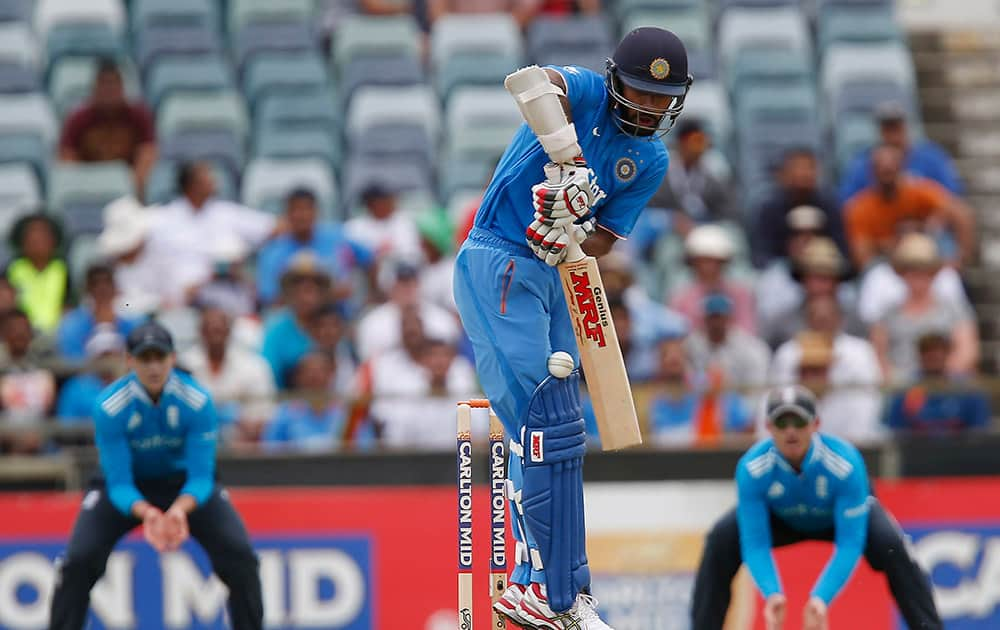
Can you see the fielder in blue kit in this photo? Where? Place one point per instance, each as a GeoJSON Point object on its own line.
{"type": "Point", "coordinates": [512, 306]}
{"type": "Point", "coordinates": [156, 431]}
{"type": "Point", "coordinates": [803, 485]}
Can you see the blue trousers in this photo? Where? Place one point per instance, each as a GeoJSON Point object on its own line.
{"type": "Point", "coordinates": [513, 309]}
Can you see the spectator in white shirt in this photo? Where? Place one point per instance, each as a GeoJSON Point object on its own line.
{"type": "Point", "coordinates": [414, 388]}
{"type": "Point", "coordinates": [190, 225]}
{"type": "Point", "coordinates": [378, 330]}
{"type": "Point", "coordinates": [841, 369]}
{"type": "Point", "coordinates": [240, 382]}
{"type": "Point", "coordinates": [384, 229]}
{"type": "Point", "coordinates": [883, 289]}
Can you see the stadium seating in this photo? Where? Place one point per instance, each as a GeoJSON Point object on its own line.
{"type": "Point", "coordinates": [580, 40]}
{"type": "Point", "coordinates": [28, 113]}
{"type": "Point", "coordinates": [215, 110]}
{"type": "Point", "coordinates": [781, 28]}
{"type": "Point", "coordinates": [77, 193]}
{"type": "Point", "coordinates": [480, 121]}
{"type": "Point", "coordinates": [186, 74]}
{"type": "Point", "coordinates": [28, 148]}
{"type": "Point", "coordinates": [379, 71]}
{"type": "Point", "coordinates": [162, 40]}
{"type": "Point", "coordinates": [243, 12]}
{"type": "Point", "coordinates": [51, 13]}
{"type": "Point", "coordinates": [275, 72]}
{"type": "Point", "coordinates": [16, 10]}
{"type": "Point", "coordinates": [19, 193]}
{"type": "Point", "coordinates": [161, 186]}
{"type": "Point", "coordinates": [303, 142]}
{"type": "Point", "coordinates": [259, 37]}
{"type": "Point", "coordinates": [691, 23]}
{"type": "Point", "coordinates": [82, 40]}
{"type": "Point", "coordinates": [404, 176]}
{"type": "Point", "coordinates": [364, 36]}
{"type": "Point", "coordinates": [479, 35]}
{"type": "Point", "coordinates": [18, 45]}
{"type": "Point", "coordinates": [267, 181]}
{"type": "Point", "coordinates": [147, 14]}
{"type": "Point", "coordinates": [373, 106]}
{"type": "Point", "coordinates": [304, 109]}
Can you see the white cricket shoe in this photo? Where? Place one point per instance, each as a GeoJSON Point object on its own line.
{"type": "Point", "coordinates": [509, 605]}
{"type": "Point", "coordinates": [582, 616]}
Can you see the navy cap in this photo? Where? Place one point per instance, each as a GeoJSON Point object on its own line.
{"type": "Point", "coordinates": [150, 336]}
{"type": "Point", "coordinates": [791, 400]}
{"type": "Point", "coordinates": [654, 60]}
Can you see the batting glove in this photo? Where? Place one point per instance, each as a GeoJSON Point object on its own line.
{"type": "Point", "coordinates": [549, 243]}
{"type": "Point", "coordinates": [566, 201]}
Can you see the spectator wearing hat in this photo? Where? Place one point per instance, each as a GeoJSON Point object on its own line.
{"type": "Point", "coordinates": [313, 421]}
{"type": "Point", "coordinates": [685, 408]}
{"type": "Point", "coordinates": [190, 225]}
{"type": "Point", "coordinates": [27, 385]}
{"type": "Point", "coordinates": [413, 387]}
{"type": "Point", "coordinates": [917, 261]}
{"type": "Point", "coordinates": [693, 191]}
{"type": "Point", "coordinates": [240, 382]}
{"type": "Point", "coordinates": [436, 276]}
{"type": "Point", "coordinates": [144, 275]}
{"type": "Point", "coordinates": [383, 229]}
{"type": "Point", "coordinates": [305, 286]}
{"type": "Point", "coordinates": [818, 270]}
{"type": "Point", "coordinates": [38, 271]}
{"type": "Point", "coordinates": [110, 127]}
{"type": "Point", "coordinates": [938, 403]}
{"type": "Point", "coordinates": [726, 352]}
{"type": "Point", "coordinates": [777, 280]}
{"type": "Point", "coordinates": [921, 157]}
{"type": "Point", "coordinates": [708, 250]}
{"type": "Point", "coordinates": [840, 369]}
{"type": "Point", "coordinates": [882, 289]}
{"type": "Point", "coordinates": [874, 215]}
{"type": "Point", "coordinates": [379, 329]}
{"type": "Point", "coordinates": [798, 185]}
{"type": "Point", "coordinates": [98, 307]}
{"type": "Point", "coordinates": [338, 254]}
{"type": "Point", "coordinates": [105, 355]}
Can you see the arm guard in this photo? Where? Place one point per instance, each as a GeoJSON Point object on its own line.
{"type": "Point", "coordinates": [538, 99]}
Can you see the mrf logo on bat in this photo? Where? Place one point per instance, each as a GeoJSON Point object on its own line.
{"type": "Point", "coordinates": [590, 308]}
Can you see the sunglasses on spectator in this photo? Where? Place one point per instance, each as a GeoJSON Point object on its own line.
{"type": "Point", "coordinates": [787, 420]}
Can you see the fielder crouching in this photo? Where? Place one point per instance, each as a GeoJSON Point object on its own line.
{"type": "Point", "coordinates": [803, 485]}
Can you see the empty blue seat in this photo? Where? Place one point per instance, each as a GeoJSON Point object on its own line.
{"type": "Point", "coordinates": [28, 114]}
{"type": "Point", "coordinates": [160, 40]}
{"type": "Point", "coordinates": [16, 10]}
{"type": "Point", "coordinates": [862, 97]}
{"type": "Point", "coordinates": [858, 24]}
{"type": "Point", "coordinates": [18, 45]}
{"type": "Point", "coordinates": [78, 192]}
{"type": "Point", "coordinates": [756, 67]}
{"type": "Point", "coordinates": [558, 41]}
{"type": "Point", "coordinates": [188, 13]}
{"type": "Point", "coordinates": [258, 37]}
{"type": "Point", "coordinates": [20, 194]}
{"type": "Point", "coordinates": [845, 62]}
{"type": "Point", "coordinates": [267, 182]}
{"type": "Point", "coordinates": [307, 109]}
{"type": "Point", "coordinates": [218, 145]}
{"type": "Point", "coordinates": [25, 147]}
{"type": "Point", "coordinates": [17, 78]}
{"type": "Point", "coordinates": [82, 40]}
{"type": "Point", "coordinates": [393, 140]}
{"type": "Point", "coordinates": [283, 72]}
{"type": "Point", "coordinates": [186, 74]}
{"type": "Point", "coordinates": [297, 142]}
{"type": "Point", "coordinates": [358, 36]}
{"type": "Point", "coordinates": [51, 13]}
{"type": "Point", "coordinates": [472, 70]}
{"type": "Point", "coordinates": [780, 28]}
{"type": "Point", "coordinates": [381, 71]}
{"type": "Point", "coordinates": [691, 23]}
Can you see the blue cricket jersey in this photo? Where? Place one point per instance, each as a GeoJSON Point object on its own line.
{"type": "Point", "coordinates": [627, 169]}
{"type": "Point", "coordinates": [139, 439]}
{"type": "Point", "coordinates": [831, 492]}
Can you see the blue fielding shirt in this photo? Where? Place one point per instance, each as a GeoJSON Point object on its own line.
{"type": "Point", "coordinates": [831, 492]}
{"type": "Point", "coordinates": [628, 170]}
{"type": "Point", "coordinates": [137, 439]}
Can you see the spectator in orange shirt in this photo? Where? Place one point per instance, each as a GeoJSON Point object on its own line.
{"type": "Point", "coordinates": [109, 127]}
{"type": "Point", "coordinates": [873, 214]}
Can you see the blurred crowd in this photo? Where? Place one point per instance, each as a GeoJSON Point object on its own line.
{"type": "Point", "coordinates": [314, 334]}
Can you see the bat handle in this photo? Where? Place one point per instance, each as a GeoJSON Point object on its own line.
{"type": "Point", "coordinates": [574, 253]}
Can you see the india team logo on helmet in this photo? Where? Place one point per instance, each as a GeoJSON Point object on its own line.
{"type": "Point", "coordinates": [659, 68]}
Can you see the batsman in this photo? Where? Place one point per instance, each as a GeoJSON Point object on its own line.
{"type": "Point", "coordinates": [576, 175]}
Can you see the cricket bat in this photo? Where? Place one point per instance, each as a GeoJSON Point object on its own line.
{"type": "Point", "coordinates": [600, 352]}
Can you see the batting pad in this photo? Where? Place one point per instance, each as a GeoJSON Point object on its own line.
{"type": "Point", "coordinates": [552, 496]}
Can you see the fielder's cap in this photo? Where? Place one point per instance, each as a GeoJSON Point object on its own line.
{"type": "Point", "coordinates": [654, 60]}
{"type": "Point", "coordinates": [791, 400]}
{"type": "Point", "coordinates": [890, 112]}
{"type": "Point", "coordinates": [717, 304]}
{"type": "Point", "coordinates": [150, 336]}
{"type": "Point", "coordinates": [806, 218]}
